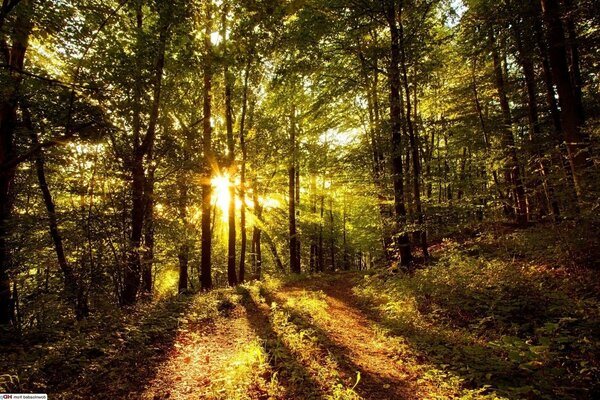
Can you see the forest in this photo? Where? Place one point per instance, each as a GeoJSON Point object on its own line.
{"type": "Point", "coordinates": [300, 199]}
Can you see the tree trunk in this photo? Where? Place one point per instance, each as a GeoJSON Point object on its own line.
{"type": "Point", "coordinates": [378, 167]}
{"type": "Point", "coordinates": [573, 58]}
{"type": "Point", "coordinates": [8, 119]}
{"type": "Point", "coordinates": [331, 234]}
{"type": "Point", "coordinates": [535, 131]}
{"type": "Point", "coordinates": [184, 248]}
{"type": "Point", "coordinates": [274, 252]}
{"type": "Point", "coordinates": [148, 253]}
{"type": "Point", "coordinates": [244, 149]}
{"type": "Point", "coordinates": [206, 245]}
{"type": "Point", "coordinates": [74, 292]}
{"type": "Point", "coordinates": [294, 242]}
{"type": "Point", "coordinates": [512, 171]}
{"type": "Point", "coordinates": [416, 161]}
{"type": "Point", "coordinates": [256, 234]}
{"type": "Point", "coordinates": [402, 241]}
{"type": "Point", "coordinates": [228, 80]}
{"type": "Point", "coordinates": [576, 140]}
{"type": "Point", "coordinates": [140, 196]}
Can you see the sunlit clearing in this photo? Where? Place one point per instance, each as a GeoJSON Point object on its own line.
{"type": "Point", "coordinates": [221, 195]}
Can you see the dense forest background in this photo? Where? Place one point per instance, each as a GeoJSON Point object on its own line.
{"type": "Point", "coordinates": [153, 148]}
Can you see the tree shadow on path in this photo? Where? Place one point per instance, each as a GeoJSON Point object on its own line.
{"type": "Point", "coordinates": [381, 377]}
{"type": "Point", "coordinates": [291, 374]}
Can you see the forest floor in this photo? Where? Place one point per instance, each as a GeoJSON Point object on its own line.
{"type": "Point", "coordinates": [489, 318]}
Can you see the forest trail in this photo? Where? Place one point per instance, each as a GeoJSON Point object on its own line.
{"type": "Point", "coordinates": [316, 340]}
{"type": "Point", "coordinates": [350, 334]}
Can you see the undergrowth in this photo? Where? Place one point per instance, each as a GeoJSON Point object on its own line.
{"type": "Point", "coordinates": [493, 313]}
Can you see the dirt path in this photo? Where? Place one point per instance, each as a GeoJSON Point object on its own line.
{"type": "Point", "coordinates": [270, 346]}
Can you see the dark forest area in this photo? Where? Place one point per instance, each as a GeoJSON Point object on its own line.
{"type": "Point", "coordinates": [300, 199]}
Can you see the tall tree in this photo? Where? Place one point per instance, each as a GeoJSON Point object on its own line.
{"type": "Point", "coordinates": [402, 240]}
{"type": "Point", "coordinates": [575, 138]}
{"type": "Point", "coordinates": [142, 185]}
{"type": "Point", "coordinates": [293, 231]}
{"type": "Point", "coordinates": [14, 57]}
{"type": "Point", "coordinates": [209, 160]}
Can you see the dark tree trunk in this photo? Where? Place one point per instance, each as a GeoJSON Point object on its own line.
{"type": "Point", "coordinates": [140, 196]}
{"type": "Point", "coordinates": [183, 254]}
{"type": "Point", "coordinates": [15, 57]}
{"type": "Point", "coordinates": [320, 249]}
{"type": "Point", "coordinates": [573, 58]}
{"type": "Point", "coordinates": [416, 161]}
{"type": "Point", "coordinates": [293, 241]}
{"type": "Point", "coordinates": [244, 233]}
{"type": "Point", "coordinates": [274, 252]}
{"type": "Point", "coordinates": [206, 245]}
{"type": "Point", "coordinates": [231, 256]}
{"type": "Point", "coordinates": [576, 140]}
{"type": "Point", "coordinates": [74, 292]}
{"type": "Point", "coordinates": [548, 83]}
{"type": "Point", "coordinates": [131, 276]}
{"type": "Point", "coordinates": [512, 172]}
{"type": "Point", "coordinates": [535, 131]}
{"type": "Point", "coordinates": [402, 240]}
{"type": "Point", "coordinates": [378, 160]}
{"type": "Point", "coordinates": [256, 234]}
{"type": "Point", "coordinates": [148, 253]}
{"type": "Point", "coordinates": [232, 277]}
{"type": "Point", "coordinates": [313, 209]}
{"type": "Point", "coordinates": [331, 234]}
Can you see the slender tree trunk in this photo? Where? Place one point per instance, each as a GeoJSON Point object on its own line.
{"type": "Point", "coordinates": [274, 252]}
{"type": "Point", "coordinates": [416, 162]}
{"type": "Point", "coordinates": [313, 210]}
{"type": "Point", "coordinates": [231, 255]}
{"type": "Point", "coordinates": [378, 168]}
{"type": "Point", "coordinates": [206, 245]}
{"type": "Point", "coordinates": [131, 276]}
{"type": "Point", "coordinates": [74, 292]}
{"type": "Point", "coordinates": [232, 278]}
{"type": "Point", "coordinates": [346, 264]}
{"type": "Point", "coordinates": [548, 83]}
{"type": "Point", "coordinates": [148, 253]}
{"type": "Point", "coordinates": [294, 254]}
{"type": "Point", "coordinates": [320, 249]}
{"type": "Point", "coordinates": [331, 234]}
{"type": "Point", "coordinates": [573, 58]}
{"type": "Point", "coordinates": [184, 248]}
{"type": "Point", "coordinates": [511, 170]}
{"type": "Point", "coordinates": [256, 234]}
{"type": "Point", "coordinates": [244, 149]}
{"type": "Point", "coordinates": [402, 241]}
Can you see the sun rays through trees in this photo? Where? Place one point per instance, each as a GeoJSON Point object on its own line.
{"type": "Point", "coordinates": [437, 159]}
